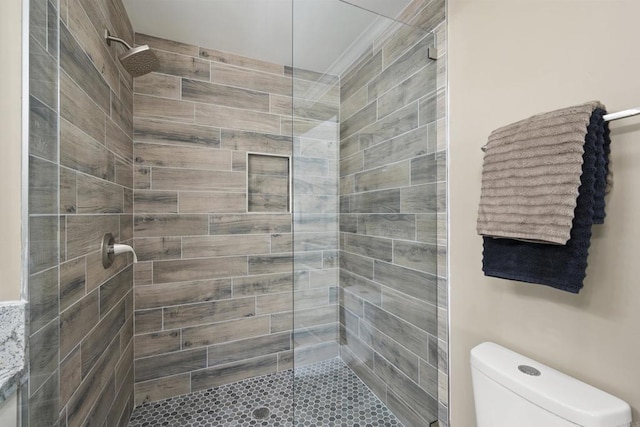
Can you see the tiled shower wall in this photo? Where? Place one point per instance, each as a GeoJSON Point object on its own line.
{"type": "Point", "coordinates": [392, 217]}
{"type": "Point", "coordinates": [80, 186]}
{"type": "Point", "coordinates": [213, 288]}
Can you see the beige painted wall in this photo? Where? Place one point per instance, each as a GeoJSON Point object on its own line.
{"type": "Point", "coordinates": [10, 135]}
{"type": "Point", "coordinates": [508, 60]}
{"type": "Point", "coordinates": [9, 412]}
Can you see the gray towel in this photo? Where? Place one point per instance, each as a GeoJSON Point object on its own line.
{"type": "Point", "coordinates": [531, 175]}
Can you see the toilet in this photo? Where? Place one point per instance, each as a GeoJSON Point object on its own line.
{"type": "Point", "coordinates": [511, 390]}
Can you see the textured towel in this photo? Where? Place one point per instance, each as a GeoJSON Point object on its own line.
{"type": "Point", "coordinates": [531, 175]}
{"type": "Point", "coordinates": [562, 267]}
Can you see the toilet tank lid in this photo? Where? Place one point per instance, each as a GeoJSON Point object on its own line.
{"type": "Point", "coordinates": [552, 390]}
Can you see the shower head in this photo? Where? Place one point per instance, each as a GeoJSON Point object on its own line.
{"type": "Point", "coordinates": [137, 61]}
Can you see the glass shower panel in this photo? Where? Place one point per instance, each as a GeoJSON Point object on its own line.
{"type": "Point", "coordinates": [365, 178]}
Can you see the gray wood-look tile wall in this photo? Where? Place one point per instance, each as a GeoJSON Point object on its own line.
{"type": "Point", "coordinates": [80, 186]}
{"type": "Point", "coordinates": [214, 285]}
{"type": "Point", "coordinates": [392, 217]}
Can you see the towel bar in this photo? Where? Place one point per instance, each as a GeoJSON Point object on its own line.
{"type": "Point", "coordinates": [622, 114]}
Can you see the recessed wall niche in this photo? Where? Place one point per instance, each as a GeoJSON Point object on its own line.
{"type": "Point", "coordinates": [268, 183]}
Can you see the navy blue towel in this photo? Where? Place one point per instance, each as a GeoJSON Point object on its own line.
{"type": "Point", "coordinates": [560, 266]}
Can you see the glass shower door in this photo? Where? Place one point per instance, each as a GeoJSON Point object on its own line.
{"type": "Point", "coordinates": [365, 173]}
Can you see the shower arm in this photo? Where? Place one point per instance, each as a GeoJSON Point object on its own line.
{"type": "Point", "coordinates": [110, 38]}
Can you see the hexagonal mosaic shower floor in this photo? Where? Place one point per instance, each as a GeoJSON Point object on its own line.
{"type": "Point", "coordinates": [327, 393]}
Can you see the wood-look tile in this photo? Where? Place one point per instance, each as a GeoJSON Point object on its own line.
{"type": "Point", "coordinates": [257, 142]}
{"type": "Point", "coordinates": [228, 96]}
{"type": "Point", "coordinates": [43, 75]}
{"type": "Point", "coordinates": [114, 289]}
{"type": "Point", "coordinates": [165, 44]}
{"type": "Point", "coordinates": [70, 376]}
{"type": "Point", "coordinates": [330, 259]}
{"type": "Point", "coordinates": [198, 269]}
{"type": "Point", "coordinates": [316, 353]}
{"type": "Point", "coordinates": [98, 413]}
{"type": "Point", "coordinates": [98, 196]}
{"type": "Point", "coordinates": [416, 86]}
{"type": "Point", "coordinates": [315, 316]}
{"type": "Point", "coordinates": [212, 202]}
{"type": "Point", "coordinates": [43, 359]}
{"type": "Point", "coordinates": [398, 226]}
{"type": "Point", "coordinates": [352, 82]}
{"type": "Point", "coordinates": [165, 365]}
{"type": "Point", "coordinates": [361, 287]}
{"type": "Point", "coordinates": [119, 141]}
{"type": "Point", "coordinates": [220, 332]}
{"type": "Point", "coordinates": [306, 147]}
{"type": "Point", "coordinates": [250, 79]}
{"type": "Point", "coordinates": [201, 180]}
{"type": "Point", "coordinates": [80, 152]}
{"type": "Point", "coordinates": [429, 229]}
{"type": "Point", "coordinates": [156, 201]}
{"type": "Point", "coordinates": [269, 264]}
{"type": "Point", "coordinates": [312, 129]}
{"type": "Point", "coordinates": [418, 256]}
{"type": "Point", "coordinates": [314, 335]}
{"type": "Point", "coordinates": [235, 351]}
{"type": "Point", "coordinates": [72, 282]}
{"type": "Point", "coordinates": [249, 224]}
{"type": "Point", "coordinates": [262, 284]}
{"type": "Point", "coordinates": [238, 161]}
{"type": "Point", "coordinates": [355, 103]}
{"type": "Point", "coordinates": [419, 199]}
{"type": "Point", "coordinates": [393, 126]}
{"type": "Point", "coordinates": [219, 116]}
{"type": "Point", "coordinates": [373, 247]}
{"type": "Point", "coordinates": [417, 399]}
{"type": "Point", "coordinates": [352, 164]}
{"type": "Point", "coordinates": [44, 250]}
{"type": "Point", "coordinates": [96, 342]}
{"type": "Point", "coordinates": [233, 372]}
{"type": "Point", "coordinates": [43, 186]}
{"type": "Point", "coordinates": [389, 176]}
{"type": "Point", "coordinates": [157, 343]}
{"type": "Point", "coordinates": [75, 62]}
{"type": "Point", "coordinates": [157, 248]}
{"type": "Point", "coordinates": [414, 311]}
{"type": "Point", "coordinates": [303, 184]}
{"type": "Point", "coordinates": [424, 170]}
{"type": "Point", "coordinates": [174, 294]}
{"type": "Point", "coordinates": [411, 337]}
{"type": "Point", "coordinates": [182, 65]}
{"type": "Point", "coordinates": [312, 203]}
{"type": "Point", "coordinates": [281, 243]}
{"type": "Point", "coordinates": [43, 130]}
{"type": "Point", "coordinates": [208, 312]}
{"type": "Point", "coordinates": [182, 157]}
{"type": "Point", "coordinates": [429, 106]}
{"type": "Point", "coordinates": [354, 344]}
{"type": "Point", "coordinates": [411, 282]}
{"type": "Point", "coordinates": [77, 321]}
{"type": "Point", "coordinates": [326, 92]}
{"type": "Point", "coordinates": [310, 109]}
{"type": "Point", "coordinates": [162, 388]}
{"type": "Point", "coordinates": [308, 261]}
{"type": "Point", "coordinates": [240, 61]}
{"type": "Point", "coordinates": [359, 120]}
{"type": "Point", "coordinates": [274, 303]}
{"type": "Point", "coordinates": [405, 66]}
{"type": "Point", "coordinates": [151, 107]}
{"type": "Point", "coordinates": [216, 246]}
{"type": "Point", "coordinates": [362, 266]}
{"type": "Point", "coordinates": [160, 225]}
{"type": "Point", "coordinates": [44, 403]}
{"type": "Point", "coordinates": [158, 85]}
{"type": "Point", "coordinates": [148, 320]}
{"type": "Point", "coordinates": [310, 75]}
{"type": "Point", "coordinates": [122, 115]}
{"type": "Point", "coordinates": [97, 274]}
{"type": "Point", "coordinates": [158, 131]}
{"type": "Point", "coordinates": [84, 233]}
{"type": "Point", "coordinates": [80, 110]}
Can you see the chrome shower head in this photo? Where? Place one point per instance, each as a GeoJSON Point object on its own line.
{"type": "Point", "coordinates": [137, 61]}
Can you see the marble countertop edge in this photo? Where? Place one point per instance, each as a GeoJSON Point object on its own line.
{"type": "Point", "coordinates": [12, 347]}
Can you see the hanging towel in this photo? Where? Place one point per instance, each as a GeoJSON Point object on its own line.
{"type": "Point", "coordinates": [560, 266]}
{"type": "Point", "coordinates": [531, 175]}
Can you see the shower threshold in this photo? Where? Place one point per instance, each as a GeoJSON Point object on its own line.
{"type": "Point", "coordinates": [326, 393]}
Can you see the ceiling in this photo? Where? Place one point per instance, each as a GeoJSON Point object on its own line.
{"type": "Point", "coordinates": [310, 34]}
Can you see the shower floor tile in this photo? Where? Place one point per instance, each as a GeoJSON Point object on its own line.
{"type": "Point", "coordinates": [327, 394]}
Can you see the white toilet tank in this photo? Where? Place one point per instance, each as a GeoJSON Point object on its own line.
{"type": "Point", "coordinates": [512, 390]}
